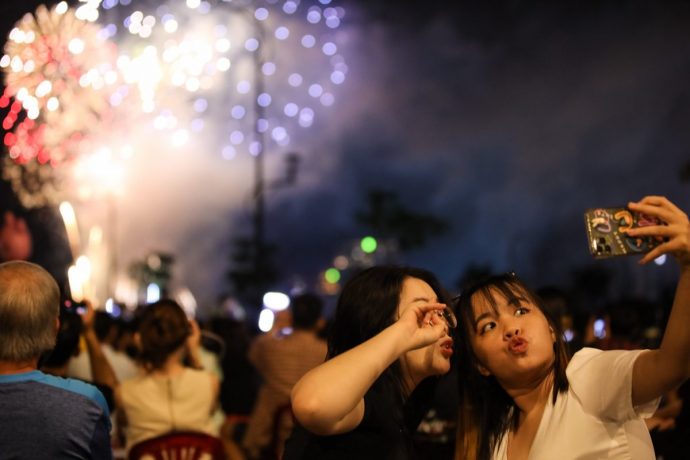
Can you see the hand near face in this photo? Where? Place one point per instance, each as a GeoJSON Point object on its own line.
{"type": "Point", "coordinates": [194, 339]}
{"type": "Point", "coordinates": [676, 232]}
{"type": "Point", "coordinates": [423, 324]}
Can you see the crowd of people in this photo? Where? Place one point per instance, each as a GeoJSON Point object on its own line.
{"type": "Point", "coordinates": [402, 371]}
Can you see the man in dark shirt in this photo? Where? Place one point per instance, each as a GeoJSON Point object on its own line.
{"type": "Point", "coordinates": [42, 416]}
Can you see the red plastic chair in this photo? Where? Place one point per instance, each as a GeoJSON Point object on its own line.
{"type": "Point", "coordinates": [179, 445]}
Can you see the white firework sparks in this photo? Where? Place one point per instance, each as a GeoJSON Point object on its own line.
{"type": "Point", "coordinates": [236, 77]}
{"type": "Point", "coordinates": [258, 72]}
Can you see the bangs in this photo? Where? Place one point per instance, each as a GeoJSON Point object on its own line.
{"type": "Point", "coordinates": [511, 290]}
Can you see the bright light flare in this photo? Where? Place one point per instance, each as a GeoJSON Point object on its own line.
{"type": "Point", "coordinates": [276, 301]}
{"type": "Point", "coordinates": [102, 172]}
{"type": "Point", "coordinates": [76, 46]}
{"type": "Point", "coordinates": [75, 285]}
{"type": "Point", "coordinates": [69, 219]}
{"type": "Point", "coordinates": [44, 88]}
{"type": "Point", "coordinates": [180, 138]}
{"type": "Point", "coordinates": [266, 318]}
{"type": "Point", "coordinates": [153, 293]}
{"type": "Point", "coordinates": [187, 301]}
{"type": "Point", "coordinates": [79, 277]}
{"type": "Point", "coordinates": [61, 8]}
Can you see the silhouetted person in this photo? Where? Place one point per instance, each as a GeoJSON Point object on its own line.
{"type": "Point", "coordinates": [15, 238]}
{"type": "Point", "coordinates": [282, 359]}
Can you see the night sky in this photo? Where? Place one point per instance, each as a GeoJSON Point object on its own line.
{"type": "Point", "coordinates": [507, 121]}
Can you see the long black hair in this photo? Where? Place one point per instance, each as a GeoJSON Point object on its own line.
{"type": "Point", "coordinates": [486, 410]}
{"type": "Point", "coordinates": [367, 305]}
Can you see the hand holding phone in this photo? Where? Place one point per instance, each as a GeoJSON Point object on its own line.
{"type": "Point", "coordinates": [675, 231]}
{"type": "Point", "coordinates": [607, 232]}
{"type": "Point", "coordinates": [72, 306]}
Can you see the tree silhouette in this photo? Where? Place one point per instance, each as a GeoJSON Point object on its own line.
{"type": "Point", "coordinates": [472, 274]}
{"type": "Point", "coordinates": [387, 218]}
{"type": "Point", "coordinates": [250, 279]}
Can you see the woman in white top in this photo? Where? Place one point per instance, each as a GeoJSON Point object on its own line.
{"type": "Point", "coordinates": [522, 399]}
{"type": "Point", "coordinates": [168, 396]}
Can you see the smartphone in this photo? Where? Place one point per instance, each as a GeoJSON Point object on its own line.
{"type": "Point", "coordinates": [606, 232]}
{"type": "Point", "coordinates": [73, 306]}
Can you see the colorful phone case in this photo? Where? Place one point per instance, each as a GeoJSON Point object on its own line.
{"type": "Point", "coordinates": [606, 232]}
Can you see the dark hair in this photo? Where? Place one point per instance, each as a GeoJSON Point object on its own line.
{"type": "Point", "coordinates": [9, 202]}
{"type": "Point", "coordinates": [367, 305]}
{"type": "Point", "coordinates": [554, 301]}
{"type": "Point", "coordinates": [126, 329]}
{"type": "Point", "coordinates": [103, 325]}
{"type": "Point", "coordinates": [486, 410]}
{"type": "Point", "coordinates": [67, 341]}
{"type": "Point", "coordinates": [163, 329]}
{"type": "Point", "coordinates": [306, 310]}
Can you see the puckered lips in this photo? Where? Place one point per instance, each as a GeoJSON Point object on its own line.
{"type": "Point", "coordinates": [518, 345]}
{"type": "Point", "coordinates": [447, 347]}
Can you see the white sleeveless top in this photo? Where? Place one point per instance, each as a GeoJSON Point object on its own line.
{"type": "Point", "coordinates": [155, 405]}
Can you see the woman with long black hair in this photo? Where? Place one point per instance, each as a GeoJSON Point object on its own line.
{"type": "Point", "coordinates": [520, 397]}
{"type": "Point", "coordinates": [389, 334]}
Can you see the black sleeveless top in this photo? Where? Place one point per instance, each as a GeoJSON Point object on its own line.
{"type": "Point", "coordinates": [385, 432]}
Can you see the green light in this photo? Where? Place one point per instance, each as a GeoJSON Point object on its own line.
{"type": "Point", "coordinates": [368, 244]}
{"type": "Point", "coordinates": [332, 275]}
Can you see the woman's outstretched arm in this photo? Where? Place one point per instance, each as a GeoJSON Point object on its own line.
{"type": "Point", "coordinates": [329, 399]}
{"type": "Point", "coordinates": [658, 371]}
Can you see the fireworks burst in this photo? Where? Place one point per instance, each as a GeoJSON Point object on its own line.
{"type": "Point", "coordinates": [241, 75]}
{"type": "Point", "coordinates": [58, 70]}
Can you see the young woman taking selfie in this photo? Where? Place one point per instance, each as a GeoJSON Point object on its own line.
{"type": "Point", "coordinates": [520, 398]}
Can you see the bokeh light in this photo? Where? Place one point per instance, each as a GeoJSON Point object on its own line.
{"type": "Point", "coordinates": [368, 244]}
{"type": "Point", "coordinates": [240, 57]}
{"type": "Point", "coordinates": [332, 275]}
{"type": "Point", "coordinates": [276, 301]}
{"type": "Point", "coordinates": [266, 318]}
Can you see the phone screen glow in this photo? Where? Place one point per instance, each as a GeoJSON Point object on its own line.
{"type": "Point", "coordinates": [599, 328]}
